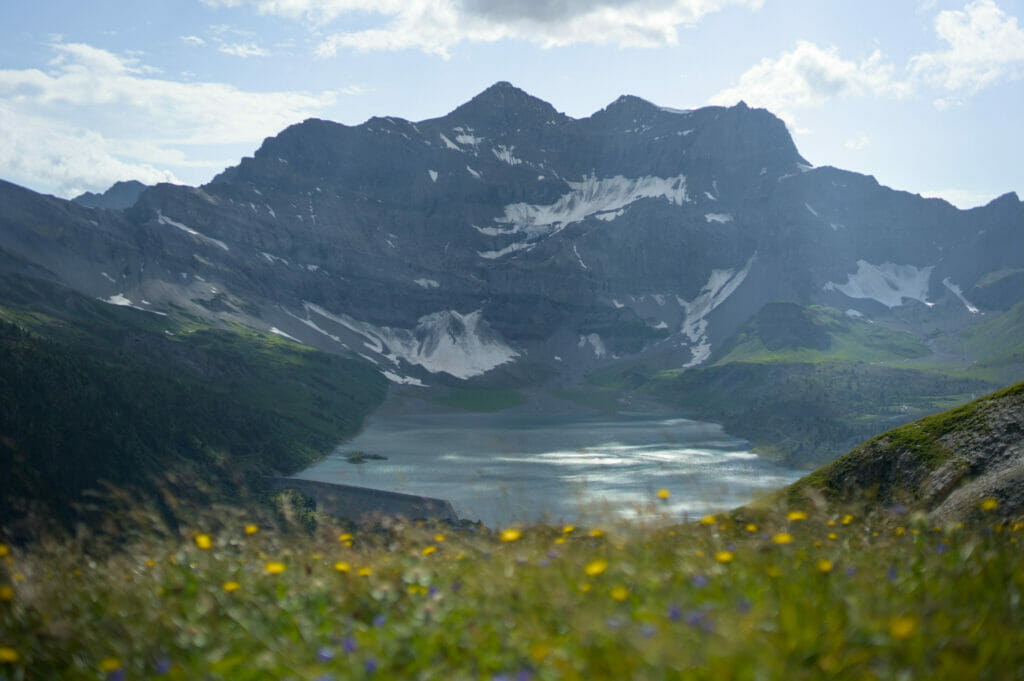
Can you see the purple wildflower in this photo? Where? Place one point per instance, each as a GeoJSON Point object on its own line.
{"type": "Point", "coordinates": [325, 654]}
{"type": "Point", "coordinates": [675, 613]}
{"type": "Point", "coordinates": [350, 644]}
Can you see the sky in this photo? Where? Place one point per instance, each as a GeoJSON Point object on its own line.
{"type": "Point", "coordinates": [926, 95]}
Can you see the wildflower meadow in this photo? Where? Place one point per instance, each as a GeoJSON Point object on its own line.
{"type": "Point", "coordinates": [786, 593]}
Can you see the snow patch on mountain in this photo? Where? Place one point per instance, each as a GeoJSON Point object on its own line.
{"type": "Point", "coordinates": [721, 284]}
{"type": "Point", "coordinates": [608, 217]}
{"type": "Point", "coordinates": [512, 248]}
{"type": "Point", "coordinates": [595, 342]}
{"type": "Point", "coordinates": [579, 258]}
{"type": "Point", "coordinates": [503, 153]}
{"type": "Point", "coordinates": [278, 332]}
{"type": "Point", "coordinates": [887, 283]}
{"type": "Point", "coordinates": [451, 145]}
{"type": "Point", "coordinates": [426, 283]}
{"type": "Point", "coordinates": [164, 220]}
{"type": "Point", "coordinates": [958, 292]}
{"type": "Point", "coordinates": [433, 175]}
{"type": "Point", "coordinates": [462, 345]}
{"type": "Point", "coordinates": [718, 217]}
{"type": "Point", "coordinates": [118, 300]}
{"type": "Point", "coordinates": [589, 197]}
{"type": "Point", "coordinates": [403, 380]}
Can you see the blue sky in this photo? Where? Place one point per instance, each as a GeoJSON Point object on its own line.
{"type": "Point", "coordinates": [926, 95]}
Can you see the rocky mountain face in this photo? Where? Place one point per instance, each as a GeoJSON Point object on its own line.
{"type": "Point", "coordinates": [506, 241]}
{"type": "Point", "coordinates": [121, 195]}
{"type": "Point", "coordinates": [947, 465]}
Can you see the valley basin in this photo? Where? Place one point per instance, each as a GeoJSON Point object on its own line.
{"type": "Point", "coordinates": [525, 467]}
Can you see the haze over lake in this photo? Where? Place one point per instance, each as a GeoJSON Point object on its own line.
{"type": "Point", "coordinates": [513, 467]}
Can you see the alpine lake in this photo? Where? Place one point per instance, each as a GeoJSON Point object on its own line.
{"type": "Point", "coordinates": [527, 466]}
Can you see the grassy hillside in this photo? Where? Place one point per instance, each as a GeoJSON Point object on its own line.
{"type": "Point", "coordinates": [998, 341]}
{"type": "Point", "coordinates": [787, 594]}
{"type": "Point", "coordinates": [942, 464]}
{"type": "Point", "coordinates": [807, 384]}
{"type": "Point", "coordinates": [93, 393]}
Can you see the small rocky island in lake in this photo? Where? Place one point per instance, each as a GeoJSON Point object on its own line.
{"type": "Point", "coordinates": [363, 457]}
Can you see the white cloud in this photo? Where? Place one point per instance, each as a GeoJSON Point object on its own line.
{"type": "Point", "coordinates": [193, 40]}
{"type": "Point", "coordinates": [243, 50]}
{"type": "Point", "coordinates": [127, 123]}
{"type": "Point", "coordinates": [809, 76]}
{"type": "Point", "coordinates": [985, 45]}
{"type": "Point", "coordinates": [437, 26]}
{"type": "Point", "coordinates": [858, 143]}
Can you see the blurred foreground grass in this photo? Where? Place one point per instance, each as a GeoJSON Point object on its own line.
{"type": "Point", "coordinates": [777, 594]}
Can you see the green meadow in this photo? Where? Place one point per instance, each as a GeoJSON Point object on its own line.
{"type": "Point", "coordinates": [781, 593]}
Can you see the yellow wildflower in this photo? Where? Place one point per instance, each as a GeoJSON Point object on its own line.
{"type": "Point", "coordinates": [110, 664]}
{"type": "Point", "coordinates": [831, 523]}
{"type": "Point", "coordinates": [345, 536]}
{"type": "Point", "coordinates": [847, 519]}
{"type": "Point", "coordinates": [832, 535]}
{"type": "Point", "coordinates": [203, 541]}
{"type": "Point", "coordinates": [825, 566]}
{"type": "Point", "coordinates": [597, 532]}
{"type": "Point", "coordinates": [796, 515]}
{"type": "Point", "coordinates": [342, 566]}
{"type": "Point", "coordinates": [231, 586]}
{"type": "Point", "coordinates": [511, 534]}
{"type": "Point", "coordinates": [427, 550]}
{"type": "Point", "coordinates": [596, 567]}
{"type": "Point", "coordinates": [439, 538]}
{"type": "Point", "coordinates": [4, 550]}
{"type": "Point", "coordinates": [989, 504]}
{"type": "Point", "coordinates": [568, 529]}
{"type": "Point", "coordinates": [724, 557]}
{"type": "Point", "coordinates": [251, 529]}
{"type": "Point", "coordinates": [782, 538]}
{"type": "Point", "coordinates": [364, 572]}
{"type": "Point", "coordinates": [8, 655]}
{"type": "Point", "coordinates": [663, 493]}
{"type": "Point", "coordinates": [6, 593]}
{"type": "Point", "coordinates": [708, 520]}
{"type": "Point", "coordinates": [902, 627]}
{"type": "Point", "coordinates": [620, 593]}
{"type": "Point", "coordinates": [751, 527]}
{"type": "Point", "coordinates": [150, 563]}
{"type": "Point", "coordinates": [560, 540]}
{"type": "Point", "coordinates": [274, 567]}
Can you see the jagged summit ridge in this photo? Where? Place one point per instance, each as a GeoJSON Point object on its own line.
{"type": "Point", "coordinates": [508, 237]}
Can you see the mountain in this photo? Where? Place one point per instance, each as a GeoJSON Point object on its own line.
{"type": "Point", "coordinates": [93, 395]}
{"type": "Point", "coordinates": [121, 195]}
{"type": "Point", "coordinates": [507, 244]}
{"type": "Point", "coordinates": [945, 465]}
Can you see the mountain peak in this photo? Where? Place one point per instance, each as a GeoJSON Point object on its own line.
{"type": "Point", "coordinates": [505, 104]}
{"type": "Point", "coordinates": [119, 196]}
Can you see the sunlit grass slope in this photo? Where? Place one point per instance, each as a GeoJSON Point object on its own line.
{"type": "Point", "coordinates": [783, 594]}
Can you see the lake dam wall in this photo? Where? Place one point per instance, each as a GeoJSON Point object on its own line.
{"type": "Point", "coordinates": [363, 504]}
